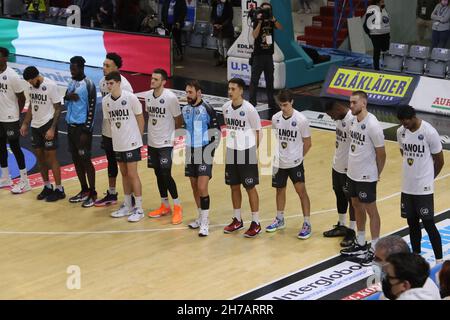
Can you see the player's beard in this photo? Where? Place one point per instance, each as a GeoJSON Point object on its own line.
{"type": "Point", "coordinates": [37, 85]}
{"type": "Point", "coordinates": [191, 101]}
{"type": "Point", "coordinates": [356, 113]}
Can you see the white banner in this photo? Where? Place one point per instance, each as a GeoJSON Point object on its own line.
{"type": "Point", "coordinates": [432, 95]}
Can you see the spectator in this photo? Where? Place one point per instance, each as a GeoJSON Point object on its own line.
{"type": "Point", "coordinates": [13, 8]}
{"type": "Point", "coordinates": [441, 24]}
{"type": "Point", "coordinates": [444, 280]}
{"type": "Point", "coordinates": [222, 21]}
{"type": "Point", "coordinates": [60, 3]}
{"type": "Point", "coordinates": [406, 274]}
{"type": "Point", "coordinates": [37, 9]}
{"type": "Point", "coordinates": [129, 15]}
{"type": "Point", "coordinates": [173, 15]}
{"type": "Point", "coordinates": [88, 10]}
{"type": "Point", "coordinates": [387, 246]}
{"type": "Point", "coordinates": [305, 6]}
{"type": "Point", "coordinates": [105, 15]}
{"type": "Point", "coordinates": [377, 26]}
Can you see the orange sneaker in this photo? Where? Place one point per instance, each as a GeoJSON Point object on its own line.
{"type": "Point", "coordinates": [162, 211]}
{"type": "Point", "coordinates": [177, 216]}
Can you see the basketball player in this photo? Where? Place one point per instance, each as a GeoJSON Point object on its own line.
{"type": "Point", "coordinates": [124, 112]}
{"type": "Point", "coordinates": [294, 141]}
{"type": "Point", "coordinates": [340, 113]}
{"type": "Point", "coordinates": [202, 138]}
{"type": "Point", "coordinates": [80, 100]}
{"type": "Point", "coordinates": [43, 114]}
{"type": "Point", "coordinates": [423, 159]}
{"type": "Point", "coordinates": [243, 127]}
{"type": "Point", "coordinates": [12, 101]}
{"type": "Point", "coordinates": [164, 117]}
{"type": "Point", "coordinates": [113, 62]}
{"type": "Point", "coordinates": [365, 163]}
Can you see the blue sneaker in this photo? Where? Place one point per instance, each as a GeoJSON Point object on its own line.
{"type": "Point", "coordinates": [305, 233]}
{"type": "Point", "coordinates": [277, 224]}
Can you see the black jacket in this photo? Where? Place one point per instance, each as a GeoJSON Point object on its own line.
{"type": "Point", "coordinates": [180, 12]}
{"type": "Point", "coordinates": [226, 20]}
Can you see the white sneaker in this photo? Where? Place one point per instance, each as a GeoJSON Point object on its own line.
{"type": "Point", "coordinates": [122, 212]}
{"type": "Point", "coordinates": [195, 224]}
{"type": "Point", "coordinates": [308, 11]}
{"type": "Point", "coordinates": [204, 228]}
{"type": "Point", "coordinates": [301, 11]}
{"type": "Point", "coordinates": [5, 182]}
{"type": "Point", "coordinates": [21, 187]}
{"type": "Point", "coordinates": [138, 215]}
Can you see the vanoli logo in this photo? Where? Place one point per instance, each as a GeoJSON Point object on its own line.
{"type": "Point", "coordinates": [124, 102]}
{"type": "Point", "coordinates": [118, 124]}
{"type": "Point", "coordinates": [154, 122]}
{"type": "Point", "coordinates": [410, 161]}
{"type": "Point", "coordinates": [284, 145]}
{"type": "Point", "coordinates": [36, 108]}
{"type": "Point", "coordinates": [353, 148]}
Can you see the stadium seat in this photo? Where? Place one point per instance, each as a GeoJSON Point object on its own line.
{"type": "Point", "coordinates": [415, 62]}
{"type": "Point", "coordinates": [198, 36]}
{"type": "Point", "coordinates": [393, 59]}
{"type": "Point", "coordinates": [437, 64]}
{"type": "Point", "coordinates": [210, 41]}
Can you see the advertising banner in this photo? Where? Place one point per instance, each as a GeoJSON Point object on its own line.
{"type": "Point", "coordinates": [432, 95]}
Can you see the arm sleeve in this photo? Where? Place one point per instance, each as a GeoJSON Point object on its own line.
{"type": "Point", "coordinates": [174, 106]}
{"type": "Point", "coordinates": [435, 142]}
{"type": "Point", "coordinates": [376, 135]}
{"type": "Point", "coordinates": [305, 129]}
{"type": "Point", "coordinates": [136, 105]}
{"type": "Point", "coordinates": [92, 100]}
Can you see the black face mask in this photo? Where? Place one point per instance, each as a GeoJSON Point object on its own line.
{"type": "Point", "coordinates": [387, 289]}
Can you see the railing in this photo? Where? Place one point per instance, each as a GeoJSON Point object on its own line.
{"type": "Point", "coordinates": [341, 14]}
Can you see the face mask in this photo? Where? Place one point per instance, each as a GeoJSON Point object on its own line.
{"type": "Point", "coordinates": [387, 289]}
{"type": "Point", "coordinates": [377, 271]}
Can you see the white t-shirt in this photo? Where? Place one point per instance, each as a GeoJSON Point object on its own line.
{"type": "Point", "coordinates": [340, 161]}
{"type": "Point", "coordinates": [125, 86]}
{"type": "Point", "coordinates": [161, 113]}
{"type": "Point", "coordinates": [10, 84]}
{"type": "Point", "coordinates": [241, 125]}
{"type": "Point", "coordinates": [42, 102]}
{"type": "Point", "coordinates": [418, 165]}
{"type": "Point", "coordinates": [365, 137]}
{"type": "Point", "coordinates": [290, 133]}
{"type": "Point", "coordinates": [121, 114]}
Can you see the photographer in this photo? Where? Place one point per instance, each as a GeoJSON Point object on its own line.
{"type": "Point", "coordinates": [264, 24]}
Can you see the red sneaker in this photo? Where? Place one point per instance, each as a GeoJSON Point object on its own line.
{"type": "Point", "coordinates": [234, 226]}
{"type": "Point", "coordinates": [254, 229]}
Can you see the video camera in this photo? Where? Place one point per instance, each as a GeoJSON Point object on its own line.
{"type": "Point", "coordinates": [266, 14]}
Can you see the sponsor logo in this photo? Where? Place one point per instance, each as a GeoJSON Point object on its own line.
{"type": "Point", "coordinates": [118, 124]}
{"type": "Point", "coordinates": [424, 211]}
{"type": "Point", "coordinates": [161, 101]}
{"type": "Point", "coordinates": [10, 133]}
{"type": "Point", "coordinates": [299, 174]}
{"type": "Point", "coordinates": [242, 113]}
{"type": "Point", "coordinates": [284, 145]}
{"type": "Point", "coordinates": [5, 78]}
{"type": "Point", "coordinates": [410, 161]}
{"type": "Point", "coordinates": [202, 168]}
{"type": "Point", "coordinates": [420, 137]}
{"type": "Point", "coordinates": [353, 147]}
{"type": "Point", "coordinates": [164, 160]}
{"type": "Point", "coordinates": [294, 124]}
{"type": "Point", "coordinates": [249, 181]}
{"type": "Point", "coordinates": [129, 155]}
{"type": "Point", "coordinates": [49, 143]}
{"type": "Point", "coordinates": [124, 102]}
{"type": "Point", "coordinates": [154, 122]}
{"type": "Point", "coordinates": [441, 103]}
{"type": "Point", "coordinates": [363, 195]}
{"type": "Point", "coordinates": [363, 127]}
{"type": "Point", "coordinates": [44, 88]}
{"type": "Point", "coordinates": [36, 108]}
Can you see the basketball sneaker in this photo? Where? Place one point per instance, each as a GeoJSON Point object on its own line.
{"type": "Point", "coordinates": [21, 187]}
{"type": "Point", "coordinates": [136, 216]}
{"type": "Point", "coordinates": [162, 211]}
{"type": "Point", "coordinates": [234, 226]}
{"type": "Point", "coordinates": [45, 193]}
{"type": "Point", "coordinates": [108, 199]}
{"type": "Point", "coordinates": [277, 224]}
{"type": "Point", "coordinates": [122, 212]}
{"type": "Point", "coordinates": [364, 259]}
{"type": "Point", "coordinates": [80, 197]}
{"type": "Point", "coordinates": [306, 231]}
{"type": "Point", "coordinates": [204, 227]}
{"type": "Point", "coordinates": [355, 249]}
{"type": "Point", "coordinates": [337, 231]}
{"type": "Point", "coordinates": [177, 216]}
{"type": "Point", "coordinates": [349, 238]}
{"type": "Point", "coordinates": [56, 195]}
{"type": "Point", "coordinates": [5, 182]}
{"type": "Point", "coordinates": [195, 224]}
{"type": "Point", "coordinates": [90, 200]}
{"type": "Point", "coordinates": [253, 231]}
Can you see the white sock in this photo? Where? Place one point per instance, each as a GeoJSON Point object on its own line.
{"type": "Point", "coordinates": [237, 214]}
{"type": "Point", "coordinates": [352, 225]}
{"type": "Point", "coordinates": [361, 238]}
{"type": "Point", "coordinates": [199, 210]}
{"type": "Point", "coordinates": [112, 190]}
{"type": "Point", "coordinates": [280, 215]}
{"type": "Point", "coordinates": [5, 173]}
{"type": "Point", "coordinates": [342, 219]}
{"type": "Point", "coordinates": [374, 243]}
{"type": "Point", "coordinates": [307, 219]}
{"type": "Point", "coordinates": [255, 217]}
{"type": "Point", "coordinates": [59, 187]}
{"type": "Point", "coordinates": [165, 201]}
{"type": "Point", "coordinates": [138, 202]}
{"type": "Point", "coordinates": [176, 202]}
{"type": "Point", "coordinates": [47, 184]}
{"type": "Point", "coordinates": [127, 201]}
{"type": "Point", "coordinates": [23, 175]}
{"type": "Point", "coordinates": [204, 214]}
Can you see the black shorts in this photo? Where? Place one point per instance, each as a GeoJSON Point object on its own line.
{"type": "Point", "coordinates": [10, 130]}
{"type": "Point", "coordinates": [107, 144]}
{"type": "Point", "coordinates": [417, 206]}
{"type": "Point", "coordinates": [340, 182]}
{"type": "Point", "coordinates": [159, 158]}
{"type": "Point", "coordinates": [366, 192]}
{"type": "Point", "coordinates": [196, 165]}
{"type": "Point", "coordinates": [38, 140]}
{"type": "Point", "coordinates": [129, 156]}
{"type": "Point", "coordinates": [280, 176]}
{"type": "Point", "coordinates": [79, 141]}
{"type": "Point", "coordinates": [241, 168]}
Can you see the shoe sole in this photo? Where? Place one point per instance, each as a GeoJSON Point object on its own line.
{"type": "Point", "coordinates": [77, 201]}
{"type": "Point", "coordinates": [274, 230]}
{"type": "Point", "coordinates": [177, 222]}
{"type": "Point", "coordinates": [23, 191]}
{"type": "Point", "coordinates": [201, 235]}
{"type": "Point", "coordinates": [105, 204]}
{"type": "Point", "coordinates": [161, 215]}
{"type": "Point", "coordinates": [304, 237]}
{"type": "Point", "coordinates": [356, 253]}
{"type": "Point", "coordinates": [193, 228]}
{"type": "Point", "coordinates": [87, 206]}
{"type": "Point", "coordinates": [228, 232]}
{"type": "Point", "coordinates": [346, 245]}
{"type": "Point", "coordinates": [334, 236]}
{"type": "Point", "coordinates": [132, 221]}
{"type": "Point", "coordinates": [46, 200]}
{"type": "Point", "coordinates": [249, 236]}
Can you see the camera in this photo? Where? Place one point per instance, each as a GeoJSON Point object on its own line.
{"type": "Point", "coordinates": [266, 14]}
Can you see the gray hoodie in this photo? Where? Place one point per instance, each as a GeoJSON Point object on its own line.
{"type": "Point", "coordinates": [419, 294]}
{"type": "Point", "coordinates": [441, 18]}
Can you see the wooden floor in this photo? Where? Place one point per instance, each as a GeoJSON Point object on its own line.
{"type": "Point", "coordinates": [155, 260]}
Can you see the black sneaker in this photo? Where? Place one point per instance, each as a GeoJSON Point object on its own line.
{"type": "Point", "coordinates": [45, 193]}
{"type": "Point", "coordinates": [90, 200]}
{"type": "Point", "coordinates": [56, 195]}
{"type": "Point", "coordinates": [80, 197]}
{"type": "Point", "coordinates": [348, 239]}
{"type": "Point", "coordinates": [337, 231]}
{"type": "Point", "coordinates": [364, 259]}
{"type": "Point", "coordinates": [355, 249]}
{"type": "Point", "coordinates": [107, 200]}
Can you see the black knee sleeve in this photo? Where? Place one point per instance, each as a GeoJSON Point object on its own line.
{"type": "Point", "coordinates": [341, 202]}
{"type": "Point", "coordinates": [3, 153]}
{"type": "Point", "coordinates": [435, 237]}
{"type": "Point", "coordinates": [17, 151]}
{"type": "Point", "coordinates": [204, 203]}
{"type": "Point", "coordinates": [113, 171]}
